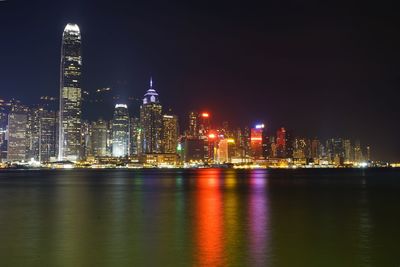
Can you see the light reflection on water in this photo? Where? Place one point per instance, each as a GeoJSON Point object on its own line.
{"type": "Point", "coordinates": [207, 217]}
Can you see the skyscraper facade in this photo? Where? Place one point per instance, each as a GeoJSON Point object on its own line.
{"type": "Point", "coordinates": [17, 126]}
{"type": "Point", "coordinates": [120, 131]}
{"type": "Point", "coordinates": [256, 140]}
{"type": "Point", "coordinates": [33, 133]}
{"type": "Point", "coordinates": [151, 122]}
{"type": "Point", "coordinates": [70, 94]}
{"type": "Point", "coordinates": [135, 129]}
{"type": "Point", "coordinates": [170, 133]}
{"type": "Point", "coordinates": [281, 143]}
{"type": "Point", "coordinates": [99, 138]}
{"type": "Point", "coordinates": [193, 124]}
{"type": "Point", "coordinates": [47, 132]}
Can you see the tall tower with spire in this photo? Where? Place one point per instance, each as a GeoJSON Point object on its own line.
{"type": "Point", "coordinates": [70, 95]}
{"type": "Point", "coordinates": [151, 122]}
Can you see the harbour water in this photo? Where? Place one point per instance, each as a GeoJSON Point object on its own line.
{"type": "Point", "coordinates": [202, 217]}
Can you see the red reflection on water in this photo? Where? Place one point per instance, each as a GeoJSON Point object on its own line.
{"type": "Point", "coordinates": [258, 218]}
{"type": "Point", "coordinates": [209, 219]}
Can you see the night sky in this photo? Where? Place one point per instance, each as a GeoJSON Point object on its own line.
{"type": "Point", "coordinates": [328, 69]}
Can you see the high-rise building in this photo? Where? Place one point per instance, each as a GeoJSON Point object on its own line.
{"type": "Point", "coordinates": [368, 154]}
{"type": "Point", "coordinates": [348, 151]}
{"type": "Point", "coordinates": [315, 149]}
{"type": "Point", "coordinates": [192, 150]}
{"type": "Point", "coordinates": [170, 133]}
{"type": "Point", "coordinates": [33, 133]}
{"type": "Point", "coordinates": [281, 143]}
{"type": "Point", "coordinates": [246, 142]}
{"type": "Point", "coordinates": [17, 126]}
{"type": "Point", "coordinates": [358, 155]}
{"type": "Point", "coordinates": [120, 131]}
{"type": "Point", "coordinates": [3, 133]}
{"type": "Point", "coordinates": [256, 141]}
{"type": "Point", "coordinates": [335, 151]}
{"type": "Point", "coordinates": [193, 124]}
{"type": "Point", "coordinates": [109, 137]}
{"type": "Point", "coordinates": [204, 124]}
{"type": "Point", "coordinates": [300, 148]}
{"type": "Point", "coordinates": [135, 148]}
{"type": "Point", "coordinates": [70, 94]}
{"type": "Point", "coordinates": [151, 122]}
{"type": "Point", "coordinates": [48, 135]}
{"type": "Point", "coordinates": [99, 138]}
{"type": "Point", "coordinates": [86, 141]}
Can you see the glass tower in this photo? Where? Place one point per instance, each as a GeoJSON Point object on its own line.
{"type": "Point", "coordinates": [70, 94]}
{"type": "Point", "coordinates": [120, 131]}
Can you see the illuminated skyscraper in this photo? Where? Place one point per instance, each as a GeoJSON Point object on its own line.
{"type": "Point", "coordinates": [315, 149]}
{"type": "Point", "coordinates": [358, 156]}
{"type": "Point", "coordinates": [193, 124]}
{"type": "Point", "coordinates": [151, 122]}
{"type": "Point", "coordinates": [47, 133]}
{"type": "Point", "coordinates": [368, 149]}
{"type": "Point", "coordinates": [99, 138]}
{"type": "Point", "coordinates": [17, 126]}
{"type": "Point", "coordinates": [347, 151]}
{"type": "Point", "coordinates": [70, 94]}
{"type": "Point", "coordinates": [170, 133]}
{"type": "Point", "coordinates": [281, 143]}
{"type": "Point", "coordinates": [120, 131]}
{"type": "Point", "coordinates": [3, 131]}
{"type": "Point", "coordinates": [33, 133]}
{"type": "Point", "coordinates": [204, 125]}
{"type": "Point", "coordinates": [135, 137]}
{"type": "Point", "coordinates": [256, 141]}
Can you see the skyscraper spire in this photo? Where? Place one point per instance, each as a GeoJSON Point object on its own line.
{"type": "Point", "coordinates": [151, 82]}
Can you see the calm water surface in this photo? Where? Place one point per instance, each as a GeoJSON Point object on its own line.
{"type": "Point", "coordinates": [207, 217]}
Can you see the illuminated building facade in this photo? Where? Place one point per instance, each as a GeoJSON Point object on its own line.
{"type": "Point", "coordinates": [99, 138]}
{"type": "Point", "coordinates": [120, 131]}
{"type": "Point", "coordinates": [151, 122]}
{"type": "Point", "coordinates": [86, 141]}
{"type": "Point", "coordinates": [17, 126]}
{"type": "Point", "coordinates": [335, 151]}
{"type": "Point", "coordinates": [193, 124]}
{"type": "Point", "coordinates": [70, 95]}
{"type": "Point", "coordinates": [301, 150]}
{"type": "Point", "coordinates": [3, 132]}
{"type": "Point", "coordinates": [135, 148]}
{"type": "Point", "coordinates": [48, 135]}
{"type": "Point", "coordinates": [348, 151]}
{"type": "Point", "coordinates": [256, 141]}
{"type": "Point", "coordinates": [204, 124]}
{"type": "Point", "coordinates": [281, 143]}
{"type": "Point", "coordinates": [33, 133]}
{"type": "Point", "coordinates": [170, 133]}
{"type": "Point", "coordinates": [358, 155]}
{"type": "Point", "coordinates": [315, 149]}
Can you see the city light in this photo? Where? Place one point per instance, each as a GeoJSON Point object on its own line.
{"type": "Point", "coordinates": [152, 139]}
{"type": "Point", "coordinates": [260, 126]}
{"type": "Point", "coordinates": [231, 140]}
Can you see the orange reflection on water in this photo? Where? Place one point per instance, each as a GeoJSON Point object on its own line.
{"type": "Point", "coordinates": [209, 219]}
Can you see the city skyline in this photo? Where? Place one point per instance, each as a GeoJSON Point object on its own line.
{"type": "Point", "coordinates": [351, 93]}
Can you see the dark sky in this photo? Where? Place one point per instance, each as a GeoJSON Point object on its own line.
{"type": "Point", "coordinates": [320, 69]}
